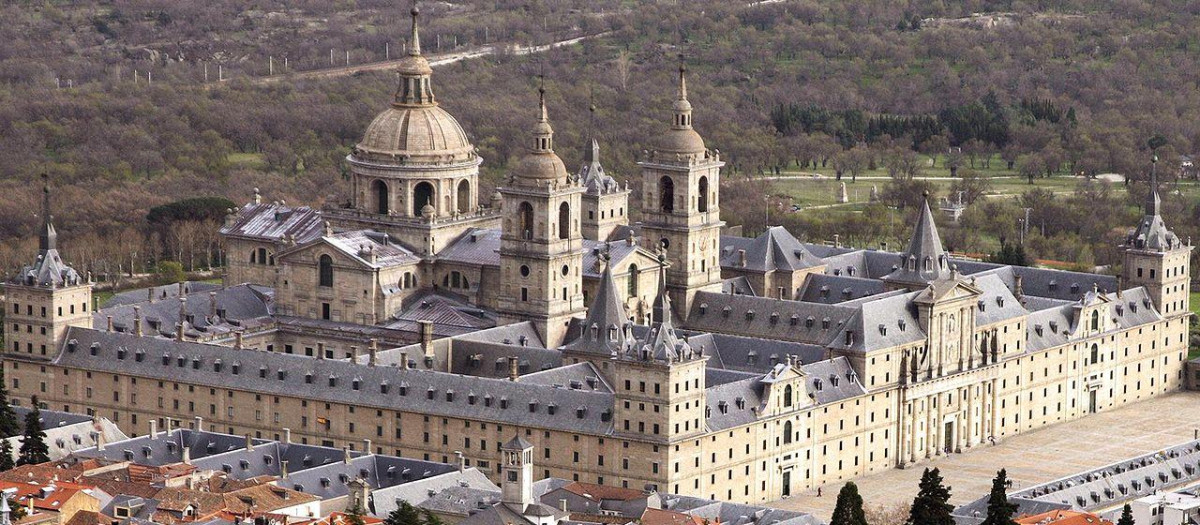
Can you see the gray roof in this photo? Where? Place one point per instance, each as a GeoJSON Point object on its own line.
{"type": "Point", "coordinates": [592, 173]}
{"type": "Point", "coordinates": [925, 260]}
{"type": "Point", "coordinates": [739, 285]}
{"type": "Point", "coordinates": [67, 432]}
{"type": "Point", "coordinates": [166, 291]}
{"type": "Point", "coordinates": [775, 249]}
{"type": "Point", "coordinates": [48, 270]}
{"type": "Point", "coordinates": [604, 331]}
{"type": "Point", "coordinates": [1152, 233]}
{"type": "Point", "coordinates": [205, 311]}
{"type": "Point", "coordinates": [366, 247]}
{"type": "Point", "coordinates": [476, 246]}
{"type": "Point", "coordinates": [736, 513]}
{"type": "Point", "coordinates": [444, 310]}
{"type": "Point", "coordinates": [275, 222]}
{"type": "Point", "coordinates": [767, 318]}
{"type": "Point", "coordinates": [424, 391]}
{"type": "Point", "coordinates": [441, 492]}
{"type": "Point", "coordinates": [830, 289]}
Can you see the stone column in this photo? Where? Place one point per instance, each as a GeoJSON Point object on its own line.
{"type": "Point", "coordinates": [901, 432]}
{"type": "Point", "coordinates": [940, 429]}
{"type": "Point", "coordinates": [912, 423]}
{"type": "Point", "coordinates": [995, 422]}
{"type": "Point", "coordinates": [969, 439]}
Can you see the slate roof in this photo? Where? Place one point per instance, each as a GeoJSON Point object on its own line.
{"type": "Point", "coordinates": [366, 247]}
{"type": "Point", "coordinates": [830, 289]}
{"type": "Point", "coordinates": [775, 249]}
{"type": "Point", "coordinates": [618, 252]}
{"type": "Point", "coordinates": [737, 285]}
{"type": "Point", "coordinates": [67, 432]}
{"type": "Point", "coordinates": [445, 311]}
{"type": "Point", "coordinates": [767, 318]}
{"type": "Point", "coordinates": [592, 173]}
{"type": "Point", "coordinates": [1152, 233]}
{"type": "Point", "coordinates": [407, 390]}
{"type": "Point", "coordinates": [166, 291]}
{"type": "Point", "coordinates": [457, 491]}
{"type": "Point", "coordinates": [735, 513]}
{"type": "Point", "coordinates": [49, 271]}
{"type": "Point", "coordinates": [604, 331]}
{"type": "Point", "coordinates": [925, 260]}
{"type": "Point", "coordinates": [275, 222]}
{"type": "Point", "coordinates": [476, 246]}
{"type": "Point", "coordinates": [233, 305]}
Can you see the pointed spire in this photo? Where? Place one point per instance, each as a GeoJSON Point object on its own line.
{"type": "Point", "coordinates": [662, 303]}
{"type": "Point", "coordinates": [1153, 202]}
{"type": "Point", "coordinates": [682, 108]}
{"type": "Point", "coordinates": [47, 236]}
{"type": "Point", "coordinates": [925, 260]}
{"type": "Point", "coordinates": [543, 133]}
{"type": "Point", "coordinates": [415, 48]}
{"type": "Point", "coordinates": [682, 80]}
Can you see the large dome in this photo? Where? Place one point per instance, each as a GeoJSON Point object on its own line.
{"type": "Point", "coordinates": [682, 141]}
{"type": "Point", "coordinates": [425, 134]}
{"type": "Point", "coordinates": [541, 167]}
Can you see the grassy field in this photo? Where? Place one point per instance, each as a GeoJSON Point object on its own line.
{"type": "Point", "coordinates": [807, 191]}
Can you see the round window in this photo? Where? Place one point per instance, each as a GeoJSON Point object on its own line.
{"type": "Point", "coordinates": [524, 271]}
{"type": "Point", "coordinates": [665, 242]}
{"type": "Point", "coordinates": [566, 270]}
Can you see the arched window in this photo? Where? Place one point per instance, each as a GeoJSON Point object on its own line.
{"type": "Point", "coordinates": [564, 221]}
{"type": "Point", "coordinates": [928, 264]}
{"type": "Point", "coordinates": [326, 271]}
{"type": "Point", "coordinates": [422, 194]}
{"type": "Point", "coordinates": [525, 218]}
{"type": "Point", "coordinates": [787, 432]}
{"type": "Point", "coordinates": [787, 396]}
{"type": "Point", "coordinates": [1095, 353]}
{"type": "Point", "coordinates": [1095, 319]}
{"type": "Point", "coordinates": [633, 280]}
{"type": "Point", "coordinates": [666, 194]}
{"type": "Point", "coordinates": [379, 190]}
{"type": "Point", "coordinates": [464, 196]}
{"type": "Point", "coordinates": [703, 190]}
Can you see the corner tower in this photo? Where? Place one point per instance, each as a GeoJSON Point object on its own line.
{"type": "Point", "coordinates": [46, 298]}
{"type": "Point", "coordinates": [605, 203]}
{"type": "Point", "coordinates": [541, 245]}
{"type": "Point", "coordinates": [1155, 258]}
{"type": "Point", "coordinates": [680, 204]}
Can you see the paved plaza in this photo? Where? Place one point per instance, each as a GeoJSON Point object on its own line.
{"type": "Point", "coordinates": [1034, 457]}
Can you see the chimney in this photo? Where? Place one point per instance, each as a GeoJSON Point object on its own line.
{"type": "Point", "coordinates": [287, 435]}
{"type": "Point", "coordinates": [371, 351]}
{"type": "Point", "coordinates": [249, 442]}
{"type": "Point", "coordinates": [353, 354]}
{"type": "Point", "coordinates": [404, 360]}
{"type": "Point", "coordinates": [283, 472]}
{"type": "Point", "coordinates": [178, 331]}
{"type": "Point", "coordinates": [320, 350]}
{"type": "Point", "coordinates": [346, 455]}
{"type": "Point", "coordinates": [514, 371]}
{"type": "Point", "coordinates": [237, 340]}
{"type": "Point", "coordinates": [137, 321]}
{"type": "Point", "coordinates": [212, 304]}
{"type": "Point", "coordinates": [367, 446]}
{"type": "Point", "coordinates": [110, 323]}
{"type": "Point", "coordinates": [199, 421]}
{"type": "Point", "coordinates": [883, 246]}
{"type": "Point", "coordinates": [837, 241]}
{"type": "Point", "coordinates": [427, 337]}
{"type": "Point", "coordinates": [100, 441]}
{"type": "Point", "coordinates": [182, 288]}
{"type": "Point", "coordinates": [742, 258]}
{"type": "Point", "coordinates": [1019, 287]}
{"type": "Point", "coordinates": [182, 309]}
{"type": "Point", "coordinates": [150, 294]}
{"type": "Point", "coordinates": [562, 504]}
{"type": "Point", "coordinates": [462, 461]}
{"type": "Point", "coordinates": [187, 455]}
{"type": "Point", "coordinates": [153, 429]}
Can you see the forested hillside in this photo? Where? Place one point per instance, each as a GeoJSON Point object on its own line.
{"type": "Point", "coordinates": [1036, 90]}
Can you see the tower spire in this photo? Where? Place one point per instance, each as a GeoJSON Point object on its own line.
{"type": "Point", "coordinates": [47, 237]}
{"type": "Point", "coordinates": [682, 108]}
{"type": "Point", "coordinates": [415, 48]}
{"type": "Point", "coordinates": [1153, 202]}
{"type": "Point", "coordinates": [543, 134]}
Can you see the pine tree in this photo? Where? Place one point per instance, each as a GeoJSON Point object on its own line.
{"type": "Point", "coordinates": [6, 455]}
{"type": "Point", "coordinates": [429, 518]}
{"type": "Point", "coordinates": [405, 514]}
{"type": "Point", "coordinates": [999, 510]}
{"type": "Point", "coordinates": [354, 515]}
{"type": "Point", "coordinates": [849, 509]}
{"type": "Point", "coordinates": [33, 443]}
{"type": "Point", "coordinates": [930, 507]}
{"type": "Point", "coordinates": [8, 418]}
{"type": "Point", "coordinates": [1126, 516]}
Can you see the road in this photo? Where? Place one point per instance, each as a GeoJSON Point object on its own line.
{"type": "Point", "coordinates": [434, 60]}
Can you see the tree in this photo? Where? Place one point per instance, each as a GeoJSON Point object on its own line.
{"type": "Point", "coordinates": [972, 185]}
{"type": "Point", "coordinates": [1126, 516]}
{"type": "Point", "coordinates": [1010, 254]}
{"type": "Point", "coordinates": [999, 510]}
{"type": "Point", "coordinates": [8, 418]}
{"type": "Point", "coordinates": [6, 455]}
{"type": "Point", "coordinates": [930, 507]}
{"type": "Point", "coordinates": [849, 509]}
{"type": "Point", "coordinates": [405, 514]}
{"type": "Point", "coordinates": [429, 518]}
{"type": "Point", "coordinates": [33, 444]}
{"type": "Point", "coordinates": [354, 515]}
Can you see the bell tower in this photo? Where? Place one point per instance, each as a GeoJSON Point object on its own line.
{"type": "Point", "coordinates": [47, 296]}
{"type": "Point", "coordinates": [541, 245]}
{"type": "Point", "coordinates": [516, 487]}
{"type": "Point", "coordinates": [680, 205]}
{"type": "Point", "coordinates": [1155, 259]}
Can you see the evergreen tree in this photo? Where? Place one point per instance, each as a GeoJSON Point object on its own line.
{"type": "Point", "coordinates": [930, 507]}
{"type": "Point", "coordinates": [849, 509]}
{"type": "Point", "coordinates": [405, 514]}
{"type": "Point", "coordinates": [429, 518]}
{"type": "Point", "coordinates": [33, 443]}
{"type": "Point", "coordinates": [8, 418]}
{"type": "Point", "coordinates": [354, 515]}
{"type": "Point", "coordinates": [6, 455]}
{"type": "Point", "coordinates": [999, 510]}
{"type": "Point", "coordinates": [1126, 516]}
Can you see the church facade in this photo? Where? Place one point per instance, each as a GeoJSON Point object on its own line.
{"type": "Point", "coordinates": [417, 320]}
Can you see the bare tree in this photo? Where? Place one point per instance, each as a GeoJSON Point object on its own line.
{"type": "Point", "coordinates": [624, 64]}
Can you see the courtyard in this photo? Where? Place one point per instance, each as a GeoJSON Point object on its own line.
{"type": "Point", "coordinates": [1031, 458]}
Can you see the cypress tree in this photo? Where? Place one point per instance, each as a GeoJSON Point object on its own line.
{"type": "Point", "coordinates": [405, 514]}
{"type": "Point", "coordinates": [33, 443]}
{"type": "Point", "coordinates": [999, 510]}
{"type": "Point", "coordinates": [1126, 516]}
{"type": "Point", "coordinates": [930, 507]}
{"type": "Point", "coordinates": [6, 455]}
{"type": "Point", "coordinates": [849, 509]}
{"type": "Point", "coordinates": [8, 418]}
{"type": "Point", "coordinates": [429, 518]}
